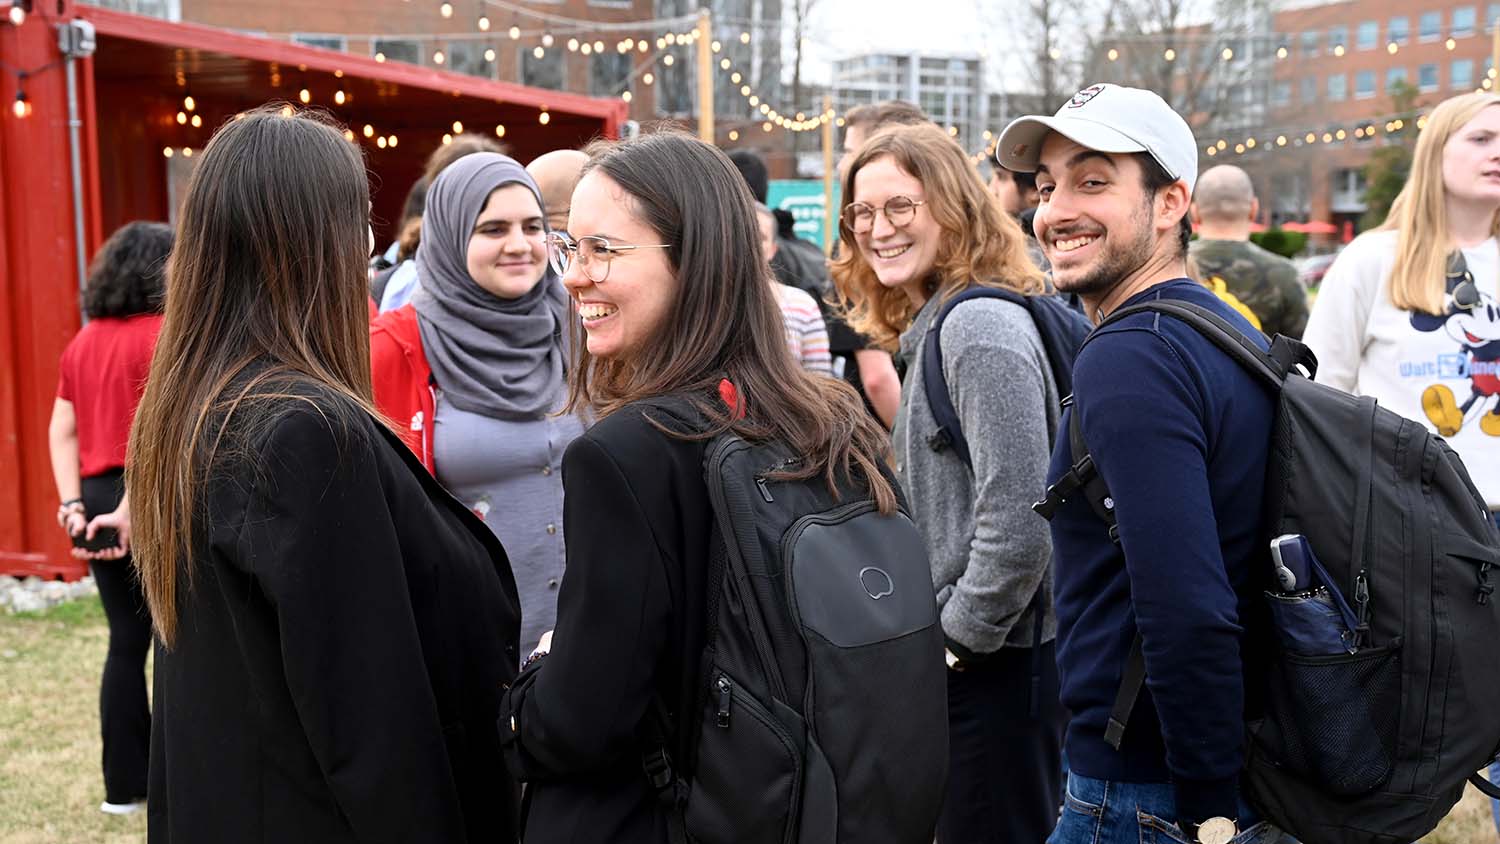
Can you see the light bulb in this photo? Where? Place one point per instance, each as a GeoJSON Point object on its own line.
{"type": "Point", "coordinates": [188, 103]}
{"type": "Point", "coordinates": [484, 23]}
{"type": "Point", "coordinates": [305, 96]}
{"type": "Point", "coordinates": [181, 118]}
{"type": "Point", "coordinates": [446, 10]}
{"type": "Point", "coordinates": [369, 131]}
{"type": "Point", "coordinates": [500, 130]}
{"type": "Point", "coordinates": [489, 55]}
{"type": "Point", "coordinates": [197, 121]}
{"type": "Point", "coordinates": [458, 127]}
{"type": "Point", "coordinates": [339, 97]}
{"type": "Point", "coordinates": [515, 33]}
{"type": "Point", "coordinates": [544, 118]}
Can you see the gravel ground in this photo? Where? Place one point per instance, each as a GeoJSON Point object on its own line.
{"type": "Point", "coordinates": [33, 594]}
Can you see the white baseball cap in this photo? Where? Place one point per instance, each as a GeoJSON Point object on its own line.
{"type": "Point", "coordinates": [1107, 118]}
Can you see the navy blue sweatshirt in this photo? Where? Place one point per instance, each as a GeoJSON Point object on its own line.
{"type": "Point", "coordinates": [1179, 432]}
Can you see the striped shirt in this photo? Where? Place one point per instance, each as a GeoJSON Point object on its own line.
{"type": "Point", "coordinates": [806, 333]}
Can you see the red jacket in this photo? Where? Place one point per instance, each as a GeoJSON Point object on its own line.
{"type": "Point", "coordinates": [404, 391]}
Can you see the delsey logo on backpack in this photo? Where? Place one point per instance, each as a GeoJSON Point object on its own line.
{"type": "Point", "coordinates": [876, 582]}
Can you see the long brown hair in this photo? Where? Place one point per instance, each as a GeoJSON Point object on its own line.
{"type": "Point", "coordinates": [265, 298]}
{"type": "Point", "coordinates": [724, 321]}
{"type": "Point", "coordinates": [1419, 213]}
{"type": "Point", "coordinates": [980, 243]}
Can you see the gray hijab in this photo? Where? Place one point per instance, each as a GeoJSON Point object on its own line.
{"type": "Point", "coordinates": [502, 358]}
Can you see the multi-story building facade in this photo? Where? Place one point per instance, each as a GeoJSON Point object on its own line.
{"type": "Point", "coordinates": [949, 87]}
{"type": "Point", "coordinates": [1340, 83]}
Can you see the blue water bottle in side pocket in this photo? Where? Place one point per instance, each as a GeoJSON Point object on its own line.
{"type": "Point", "coordinates": [1309, 613]}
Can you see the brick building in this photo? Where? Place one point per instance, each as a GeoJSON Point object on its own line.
{"type": "Point", "coordinates": [1339, 82]}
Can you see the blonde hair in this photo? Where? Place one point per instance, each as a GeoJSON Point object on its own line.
{"type": "Point", "coordinates": [1420, 215]}
{"type": "Point", "coordinates": [979, 244]}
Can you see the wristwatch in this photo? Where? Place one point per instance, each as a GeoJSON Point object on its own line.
{"type": "Point", "coordinates": [1213, 831]}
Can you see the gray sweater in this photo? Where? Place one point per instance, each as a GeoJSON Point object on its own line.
{"type": "Point", "coordinates": [990, 553]}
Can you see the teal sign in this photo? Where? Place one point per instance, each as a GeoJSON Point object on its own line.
{"type": "Point", "coordinates": [804, 199]}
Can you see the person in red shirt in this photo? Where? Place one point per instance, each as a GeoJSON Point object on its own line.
{"type": "Point", "coordinates": [101, 376]}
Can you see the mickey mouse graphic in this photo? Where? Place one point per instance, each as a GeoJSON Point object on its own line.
{"type": "Point", "coordinates": [1473, 320]}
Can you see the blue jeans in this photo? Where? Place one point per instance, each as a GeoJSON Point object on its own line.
{"type": "Point", "coordinates": [1099, 812]}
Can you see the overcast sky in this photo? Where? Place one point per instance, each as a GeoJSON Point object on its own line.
{"type": "Point", "coordinates": [848, 27]}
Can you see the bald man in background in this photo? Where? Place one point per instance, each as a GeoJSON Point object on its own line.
{"type": "Point", "coordinates": [556, 173]}
{"type": "Point", "coordinates": [1223, 207]}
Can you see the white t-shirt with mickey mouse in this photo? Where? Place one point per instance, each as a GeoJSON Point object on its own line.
{"type": "Point", "coordinates": [1441, 371]}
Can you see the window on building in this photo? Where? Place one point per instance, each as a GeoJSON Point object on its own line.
{"type": "Point", "coordinates": [1427, 78]}
{"type": "Point", "coordinates": [1367, 34]}
{"type": "Point", "coordinates": [1461, 74]}
{"type": "Point", "coordinates": [1394, 77]}
{"type": "Point", "coordinates": [1338, 87]}
{"type": "Point", "coordinates": [1491, 16]}
{"type": "Point", "coordinates": [1309, 90]}
{"type": "Point", "coordinates": [1338, 36]}
{"type": "Point", "coordinates": [1281, 94]}
{"type": "Point", "coordinates": [1309, 43]}
{"type": "Point", "coordinates": [609, 75]}
{"type": "Point", "coordinates": [327, 42]}
{"type": "Point", "coordinates": [549, 71]}
{"type": "Point", "coordinates": [468, 57]}
{"type": "Point", "coordinates": [397, 50]}
{"type": "Point", "coordinates": [1400, 29]}
{"type": "Point", "coordinates": [1463, 22]}
{"type": "Point", "coordinates": [1364, 85]}
{"type": "Point", "coordinates": [1429, 26]}
{"type": "Point", "coordinates": [674, 92]}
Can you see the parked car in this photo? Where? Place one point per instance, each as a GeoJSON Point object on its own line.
{"type": "Point", "coordinates": [1310, 269]}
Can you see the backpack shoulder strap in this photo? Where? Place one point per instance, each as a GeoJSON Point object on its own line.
{"type": "Point", "coordinates": [1216, 330]}
{"type": "Point", "coordinates": [949, 432]}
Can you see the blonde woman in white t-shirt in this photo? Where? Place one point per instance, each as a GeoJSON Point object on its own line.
{"type": "Point", "coordinates": [1392, 322]}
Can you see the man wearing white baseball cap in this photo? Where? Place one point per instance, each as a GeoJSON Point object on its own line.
{"type": "Point", "coordinates": [1156, 520]}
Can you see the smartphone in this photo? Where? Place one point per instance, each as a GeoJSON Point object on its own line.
{"type": "Point", "coordinates": [1291, 557]}
{"type": "Point", "coordinates": [104, 539]}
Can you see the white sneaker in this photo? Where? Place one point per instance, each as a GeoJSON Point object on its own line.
{"type": "Point", "coordinates": [109, 808]}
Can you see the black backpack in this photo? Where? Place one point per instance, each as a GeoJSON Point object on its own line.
{"type": "Point", "coordinates": [1062, 330]}
{"type": "Point", "coordinates": [1372, 747]}
{"type": "Point", "coordinates": [822, 709]}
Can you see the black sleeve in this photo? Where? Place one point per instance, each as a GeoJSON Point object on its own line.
{"type": "Point", "coordinates": [579, 708]}
{"type": "Point", "coordinates": [318, 541]}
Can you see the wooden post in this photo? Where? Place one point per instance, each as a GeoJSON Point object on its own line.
{"type": "Point", "coordinates": [830, 234]}
{"type": "Point", "coordinates": [705, 76]}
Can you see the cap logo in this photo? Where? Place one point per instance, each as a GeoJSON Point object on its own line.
{"type": "Point", "coordinates": [1082, 97]}
{"type": "Point", "coordinates": [1019, 150]}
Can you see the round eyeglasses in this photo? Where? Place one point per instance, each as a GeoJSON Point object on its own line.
{"type": "Point", "coordinates": [899, 211]}
{"type": "Point", "coordinates": [594, 254]}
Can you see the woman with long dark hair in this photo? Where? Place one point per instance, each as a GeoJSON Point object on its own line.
{"type": "Point", "coordinates": [335, 629]}
{"type": "Point", "coordinates": [663, 263]}
{"type": "Point", "coordinates": [100, 379]}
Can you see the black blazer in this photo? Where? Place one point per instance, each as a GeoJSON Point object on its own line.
{"type": "Point", "coordinates": [341, 652]}
{"type": "Point", "coordinates": [630, 626]}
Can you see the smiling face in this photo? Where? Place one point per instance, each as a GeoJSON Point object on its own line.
{"type": "Point", "coordinates": [508, 250]}
{"type": "Point", "coordinates": [1094, 222]}
{"type": "Point", "coordinates": [1477, 326]}
{"type": "Point", "coordinates": [622, 313]}
{"type": "Point", "coordinates": [902, 257]}
{"type": "Point", "coordinates": [1471, 159]}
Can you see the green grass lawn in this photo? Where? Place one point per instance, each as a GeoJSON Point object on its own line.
{"type": "Point", "coordinates": [50, 782]}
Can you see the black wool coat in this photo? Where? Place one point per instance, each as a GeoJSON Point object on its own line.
{"type": "Point", "coordinates": [630, 630]}
{"type": "Point", "coordinates": [341, 651]}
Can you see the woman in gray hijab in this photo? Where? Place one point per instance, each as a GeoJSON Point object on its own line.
{"type": "Point", "coordinates": [471, 372]}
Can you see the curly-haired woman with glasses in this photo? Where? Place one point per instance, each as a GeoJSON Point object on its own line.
{"type": "Point", "coordinates": [918, 227]}
{"type": "Point", "coordinates": [471, 371]}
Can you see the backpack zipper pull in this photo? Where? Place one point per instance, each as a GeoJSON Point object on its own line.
{"type": "Point", "coordinates": [725, 694]}
{"type": "Point", "coordinates": [1362, 601]}
{"type": "Point", "coordinates": [765, 492]}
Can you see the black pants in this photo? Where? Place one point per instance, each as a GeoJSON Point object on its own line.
{"type": "Point", "coordinates": [124, 715]}
{"type": "Point", "coordinates": [1005, 762]}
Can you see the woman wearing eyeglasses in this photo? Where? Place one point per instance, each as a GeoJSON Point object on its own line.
{"type": "Point", "coordinates": [1408, 313]}
{"type": "Point", "coordinates": [471, 371]}
{"type": "Point", "coordinates": [665, 268]}
{"type": "Point", "coordinates": [919, 226]}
